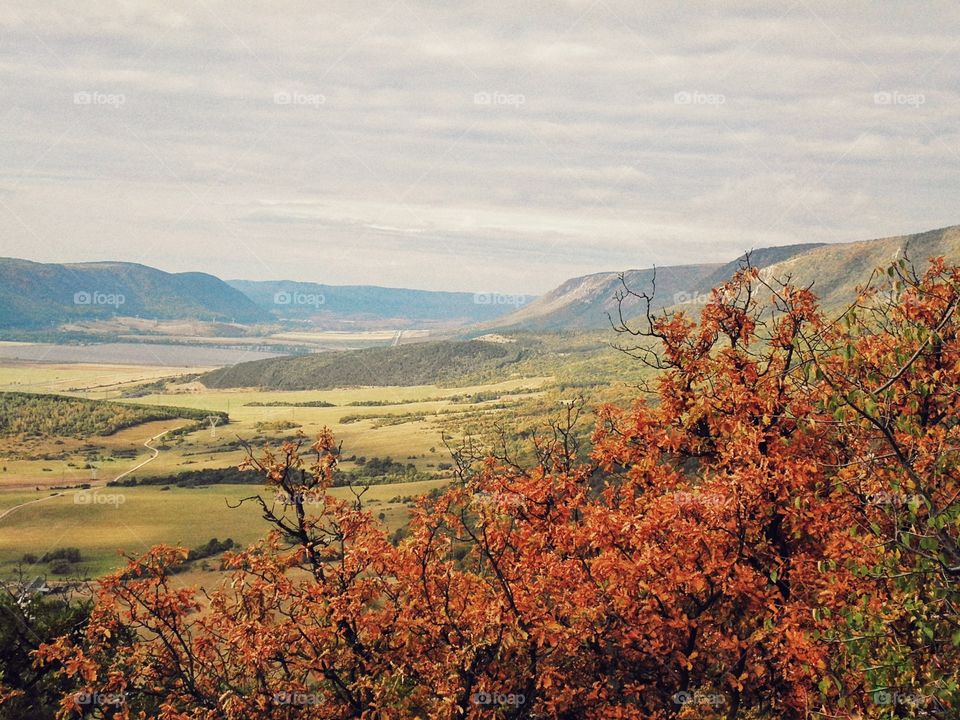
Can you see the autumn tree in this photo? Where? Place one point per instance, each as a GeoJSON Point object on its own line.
{"type": "Point", "coordinates": [772, 533]}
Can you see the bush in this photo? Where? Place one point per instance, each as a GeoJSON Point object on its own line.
{"type": "Point", "coordinates": [213, 547]}
{"type": "Point", "coordinates": [61, 567]}
{"type": "Point", "coordinates": [399, 534]}
{"type": "Point", "coordinates": [69, 554]}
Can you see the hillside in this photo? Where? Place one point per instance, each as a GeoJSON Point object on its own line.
{"type": "Point", "coordinates": [837, 269]}
{"type": "Point", "coordinates": [760, 257]}
{"type": "Point", "coordinates": [583, 302]}
{"type": "Point", "coordinates": [319, 302]}
{"type": "Point", "coordinates": [417, 364]}
{"type": "Point", "coordinates": [65, 416]}
{"type": "Point", "coordinates": [38, 295]}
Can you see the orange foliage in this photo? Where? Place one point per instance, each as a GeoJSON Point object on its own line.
{"type": "Point", "coordinates": [774, 536]}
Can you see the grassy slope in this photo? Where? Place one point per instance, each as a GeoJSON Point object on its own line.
{"type": "Point", "coordinates": [416, 364]}
{"type": "Point", "coordinates": [837, 270]}
{"type": "Point", "coordinates": [192, 516]}
{"type": "Point", "coordinates": [63, 416]}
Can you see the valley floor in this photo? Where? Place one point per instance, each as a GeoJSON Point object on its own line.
{"type": "Point", "coordinates": [44, 505]}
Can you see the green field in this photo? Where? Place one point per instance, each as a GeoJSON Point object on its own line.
{"type": "Point", "coordinates": [402, 423]}
{"type": "Point", "coordinates": [106, 520]}
{"type": "Point", "coordinates": [417, 440]}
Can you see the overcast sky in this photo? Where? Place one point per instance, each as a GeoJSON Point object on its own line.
{"type": "Point", "coordinates": [477, 146]}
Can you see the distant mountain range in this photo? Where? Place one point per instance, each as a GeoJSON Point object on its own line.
{"type": "Point", "coordinates": [47, 295]}
{"type": "Point", "coordinates": [43, 296]}
{"type": "Point", "coordinates": [300, 300]}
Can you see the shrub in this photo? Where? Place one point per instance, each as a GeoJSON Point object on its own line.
{"type": "Point", "coordinates": [61, 567]}
{"type": "Point", "coordinates": [69, 554]}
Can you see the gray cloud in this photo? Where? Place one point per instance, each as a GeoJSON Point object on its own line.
{"type": "Point", "coordinates": [468, 145]}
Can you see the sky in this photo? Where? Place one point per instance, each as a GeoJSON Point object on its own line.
{"type": "Point", "coordinates": [469, 145]}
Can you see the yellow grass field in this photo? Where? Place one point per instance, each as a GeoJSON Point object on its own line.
{"type": "Point", "coordinates": [418, 440]}
{"type": "Point", "coordinates": [147, 515]}
{"type": "Point", "coordinates": [92, 380]}
{"type": "Point", "coordinates": [102, 521]}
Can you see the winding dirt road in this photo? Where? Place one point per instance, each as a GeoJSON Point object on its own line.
{"type": "Point", "coordinates": [150, 459]}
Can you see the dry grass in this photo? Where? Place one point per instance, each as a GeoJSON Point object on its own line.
{"type": "Point", "coordinates": [134, 519]}
{"type": "Point", "coordinates": [147, 515]}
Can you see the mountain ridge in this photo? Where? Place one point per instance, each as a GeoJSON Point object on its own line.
{"type": "Point", "coordinates": [38, 295]}
{"type": "Point", "coordinates": [302, 300]}
{"type": "Point", "coordinates": [42, 295]}
{"type": "Point", "coordinates": [834, 269]}
{"type": "Point", "coordinates": [582, 302]}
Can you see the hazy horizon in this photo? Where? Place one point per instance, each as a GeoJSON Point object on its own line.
{"type": "Point", "coordinates": [412, 144]}
{"type": "Point", "coordinates": [462, 289]}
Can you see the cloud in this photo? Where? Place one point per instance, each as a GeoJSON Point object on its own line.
{"type": "Point", "coordinates": [429, 145]}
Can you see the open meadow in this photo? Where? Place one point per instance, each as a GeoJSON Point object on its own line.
{"type": "Point", "coordinates": [103, 521]}
{"type": "Point", "coordinates": [44, 506]}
